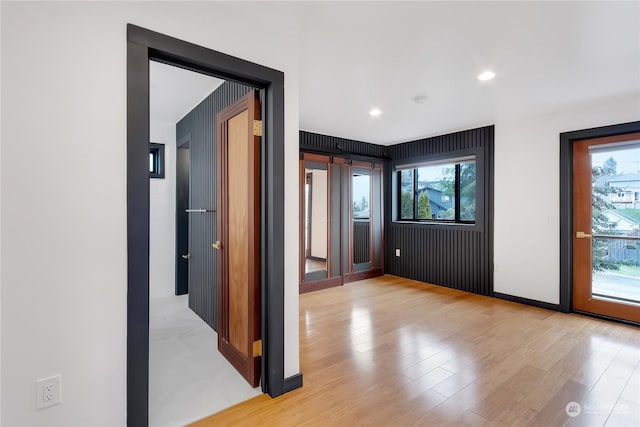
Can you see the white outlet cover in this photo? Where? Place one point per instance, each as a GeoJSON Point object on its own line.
{"type": "Point", "coordinates": [397, 252]}
{"type": "Point", "coordinates": [49, 391]}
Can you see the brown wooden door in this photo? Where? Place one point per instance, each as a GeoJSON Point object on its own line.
{"type": "Point", "coordinates": [606, 218]}
{"type": "Point", "coordinates": [238, 204]}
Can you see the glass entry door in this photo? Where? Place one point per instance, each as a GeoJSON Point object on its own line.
{"type": "Point", "coordinates": [606, 234]}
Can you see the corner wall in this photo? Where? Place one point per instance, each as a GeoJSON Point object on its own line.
{"type": "Point", "coordinates": [527, 181]}
{"type": "Point", "coordinates": [456, 256]}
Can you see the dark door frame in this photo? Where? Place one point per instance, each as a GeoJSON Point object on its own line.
{"type": "Point", "coordinates": [142, 46]}
{"type": "Point", "coordinates": [566, 200]}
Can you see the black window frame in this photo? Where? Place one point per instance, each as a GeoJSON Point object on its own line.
{"type": "Point", "coordinates": [456, 196]}
{"type": "Point", "coordinates": [157, 151]}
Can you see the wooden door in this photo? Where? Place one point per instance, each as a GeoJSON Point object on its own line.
{"type": "Point", "coordinates": [606, 235]}
{"type": "Point", "coordinates": [238, 204]}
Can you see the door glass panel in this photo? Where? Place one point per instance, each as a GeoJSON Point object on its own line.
{"type": "Point", "coordinates": [361, 191]}
{"type": "Point", "coordinates": [615, 222]}
{"type": "Point", "coordinates": [316, 222]}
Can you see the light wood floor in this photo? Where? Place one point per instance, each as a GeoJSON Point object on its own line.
{"type": "Point", "coordinates": [395, 352]}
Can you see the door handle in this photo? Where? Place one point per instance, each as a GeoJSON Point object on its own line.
{"type": "Point", "coordinates": [216, 245]}
{"type": "Point", "coordinates": [582, 235]}
{"type": "Point", "coordinates": [187, 256]}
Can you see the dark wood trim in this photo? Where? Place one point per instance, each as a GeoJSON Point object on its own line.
{"type": "Point", "coordinates": [293, 382]}
{"type": "Point", "coordinates": [143, 45]}
{"type": "Point", "coordinates": [361, 275]}
{"type": "Point", "coordinates": [318, 285]}
{"type": "Point", "coordinates": [361, 164]}
{"type": "Point", "coordinates": [316, 157]}
{"type": "Point", "coordinates": [527, 301]}
{"type": "Point", "coordinates": [566, 200]}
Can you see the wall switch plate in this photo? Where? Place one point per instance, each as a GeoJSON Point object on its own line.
{"type": "Point", "coordinates": [397, 252]}
{"type": "Point", "coordinates": [49, 391]}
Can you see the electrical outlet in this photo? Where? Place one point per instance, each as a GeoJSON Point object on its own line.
{"type": "Point", "coordinates": [397, 252]}
{"type": "Point", "coordinates": [49, 391]}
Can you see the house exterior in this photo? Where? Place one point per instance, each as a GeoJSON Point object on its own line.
{"type": "Point", "coordinates": [625, 190]}
{"type": "Point", "coordinates": [624, 224]}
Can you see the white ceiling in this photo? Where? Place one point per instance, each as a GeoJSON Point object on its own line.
{"type": "Point", "coordinates": [174, 91]}
{"type": "Point", "coordinates": [546, 56]}
{"type": "Point", "coordinates": [355, 56]}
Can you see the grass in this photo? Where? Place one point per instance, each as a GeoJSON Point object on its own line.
{"type": "Point", "coordinates": [629, 270]}
{"type": "Point", "coordinates": [626, 270]}
{"type": "Point", "coordinates": [633, 213]}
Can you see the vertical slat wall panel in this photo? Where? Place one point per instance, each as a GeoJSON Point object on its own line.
{"type": "Point", "coordinates": [459, 257]}
{"type": "Point", "coordinates": [201, 123]}
{"type": "Point", "coordinates": [334, 145]}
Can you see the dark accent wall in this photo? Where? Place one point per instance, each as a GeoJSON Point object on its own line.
{"type": "Point", "coordinates": [317, 143]}
{"type": "Point", "coordinates": [201, 124]}
{"type": "Point", "coordinates": [455, 256]}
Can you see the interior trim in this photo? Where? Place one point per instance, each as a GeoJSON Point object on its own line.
{"type": "Point", "coordinates": [566, 200]}
{"type": "Point", "coordinates": [142, 46]}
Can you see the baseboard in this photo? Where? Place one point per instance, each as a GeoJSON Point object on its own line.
{"type": "Point", "coordinates": [362, 275]}
{"type": "Point", "coordinates": [293, 382]}
{"type": "Point", "coordinates": [319, 285]}
{"type": "Point", "coordinates": [527, 301]}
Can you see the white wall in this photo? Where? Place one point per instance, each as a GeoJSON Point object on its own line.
{"type": "Point", "coordinates": [162, 215]}
{"type": "Point", "coordinates": [64, 279]}
{"type": "Point", "coordinates": [527, 181]}
{"type": "Point", "coordinates": [319, 214]}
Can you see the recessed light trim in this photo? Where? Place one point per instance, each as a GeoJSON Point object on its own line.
{"type": "Point", "coordinates": [486, 75]}
{"type": "Point", "coordinates": [375, 112]}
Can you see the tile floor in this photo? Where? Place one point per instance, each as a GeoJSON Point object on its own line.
{"type": "Point", "coordinates": [188, 378]}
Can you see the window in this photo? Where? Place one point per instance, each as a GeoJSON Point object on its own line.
{"type": "Point", "coordinates": [360, 190]}
{"type": "Point", "coordinates": [156, 160]}
{"type": "Point", "coordinates": [438, 191]}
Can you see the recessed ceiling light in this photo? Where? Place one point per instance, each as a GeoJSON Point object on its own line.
{"type": "Point", "coordinates": [375, 112]}
{"type": "Point", "coordinates": [420, 99]}
{"type": "Point", "coordinates": [487, 75]}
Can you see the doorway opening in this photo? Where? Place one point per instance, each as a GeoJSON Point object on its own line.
{"type": "Point", "coordinates": [189, 376]}
{"type": "Point", "coordinates": [144, 45]}
{"type": "Point", "coordinates": [340, 220]}
{"type": "Point", "coordinates": [600, 222]}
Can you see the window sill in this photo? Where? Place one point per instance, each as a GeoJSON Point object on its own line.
{"type": "Point", "coordinates": [437, 224]}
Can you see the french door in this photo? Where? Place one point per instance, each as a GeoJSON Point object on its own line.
{"type": "Point", "coordinates": [606, 226]}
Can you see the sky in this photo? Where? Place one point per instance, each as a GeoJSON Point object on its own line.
{"type": "Point", "coordinates": [627, 159]}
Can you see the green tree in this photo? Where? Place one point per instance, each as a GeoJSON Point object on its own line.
{"type": "Point", "coordinates": [610, 167]}
{"type": "Point", "coordinates": [467, 188]}
{"type": "Point", "coordinates": [407, 205]}
{"type": "Point", "coordinates": [468, 191]}
{"type": "Point", "coordinates": [424, 206]}
{"type": "Point", "coordinates": [600, 224]}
